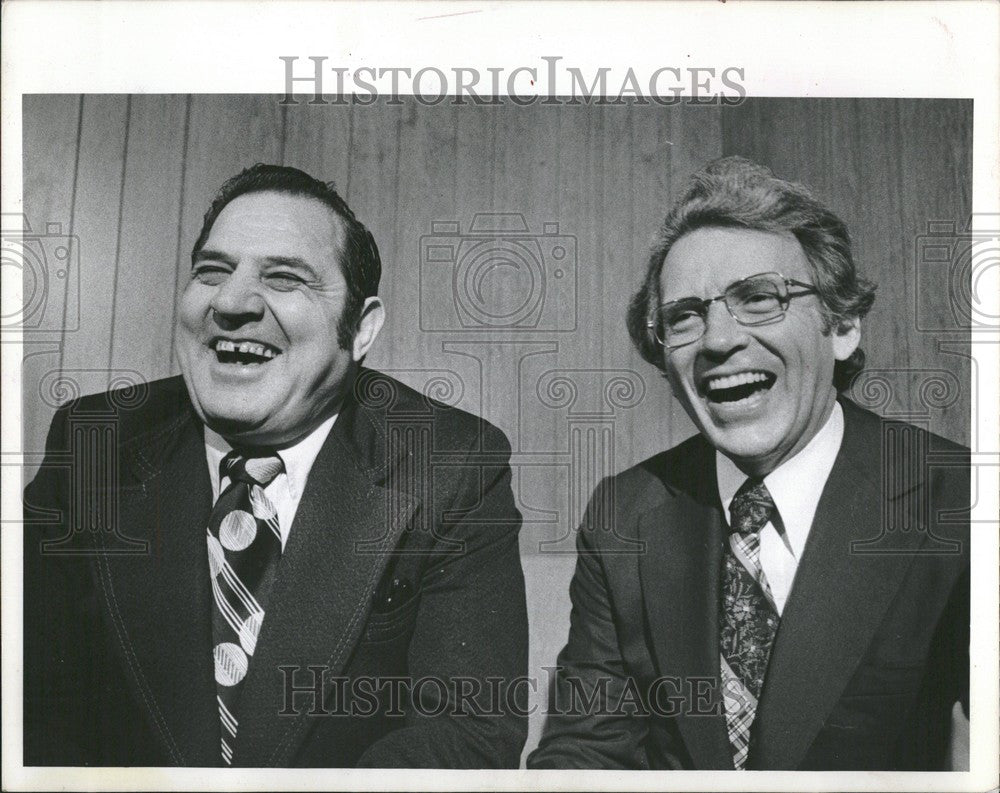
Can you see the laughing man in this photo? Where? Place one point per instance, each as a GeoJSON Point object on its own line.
{"type": "Point", "coordinates": [802, 599]}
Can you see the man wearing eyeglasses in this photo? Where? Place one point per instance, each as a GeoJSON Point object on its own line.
{"type": "Point", "coordinates": [774, 619]}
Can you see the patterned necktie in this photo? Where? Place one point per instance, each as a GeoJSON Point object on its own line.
{"type": "Point", "coordinates": [244, 544]}
{"type": "Point", "coordinates": [748, 619]}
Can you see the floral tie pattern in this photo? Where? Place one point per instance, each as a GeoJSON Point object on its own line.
{"type": "Point", "coordinates": [748, 618]}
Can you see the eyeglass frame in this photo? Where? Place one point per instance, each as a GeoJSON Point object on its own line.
{"type": "Point", "coordinates": [783, 300]}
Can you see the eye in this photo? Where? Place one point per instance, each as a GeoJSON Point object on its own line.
{"type": "Point", "coordinates": [284, 280]}
{"type": "Point", "coordinates": [210, 274]}
{"type": "Point", "coordinates": [683, 318]}
{"type": "Point", "coordinates": [760, 301]}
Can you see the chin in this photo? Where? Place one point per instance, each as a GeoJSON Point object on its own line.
{"type": "Point", "coordinates": [744, 445]}
{"type": "Point", "coordinates": [234, 425]}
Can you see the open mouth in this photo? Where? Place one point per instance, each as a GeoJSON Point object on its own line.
{"type": "Point", "coordinates": [737, 387]}
{"type": "Point", "coordinates": [246, 352]}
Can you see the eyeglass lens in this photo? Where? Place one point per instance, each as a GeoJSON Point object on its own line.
{"type": "Point", "coordinates": [753, 300]}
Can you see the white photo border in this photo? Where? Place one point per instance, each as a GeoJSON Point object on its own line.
{"type": "Point", "coordinates": [900, 49]}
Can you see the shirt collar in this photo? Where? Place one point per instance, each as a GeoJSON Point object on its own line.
{"type": "Point", "coordinates": [796, 484]}
{"type": "Point", "coordinates": [298, 459]}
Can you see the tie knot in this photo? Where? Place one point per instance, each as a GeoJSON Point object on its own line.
{"type": "Point", "coordinates": [259, 469]}
{"type": "Point", "coordinates": [751, 507]}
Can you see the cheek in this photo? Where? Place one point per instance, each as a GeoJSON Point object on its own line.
{"type": "Point", "coordinates": [679, 373]}
{"type": "Point", "coordinates": [193, 305]}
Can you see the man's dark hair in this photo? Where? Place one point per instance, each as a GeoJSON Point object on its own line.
{"type": "Point", "coordinates": [359, 260]}
{"type": "Point", "coordinates": [733, 192]}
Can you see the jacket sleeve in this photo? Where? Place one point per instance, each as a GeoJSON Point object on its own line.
{"type": "Point", "coordinates": [471, 630]}
{"type": "Point", "coordinates": [57, 589]}
{"type": "Point", "coordinates": [586, 727]}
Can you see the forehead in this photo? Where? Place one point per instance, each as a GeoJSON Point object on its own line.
{"type": "Point", "coordinates": [277, 224]}
{"type": "Point", "coordinates": [705, 261]}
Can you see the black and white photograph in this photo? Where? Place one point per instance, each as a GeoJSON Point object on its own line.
{"type": "Point", "coordinates": [528, 418]}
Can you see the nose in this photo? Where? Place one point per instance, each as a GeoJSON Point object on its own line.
{"type": "Point", "coordinates": [237, 300]}
{"type": "Point", "coordinates": [723, 334]}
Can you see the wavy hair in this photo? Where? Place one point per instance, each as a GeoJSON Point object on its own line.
{"type": "Point", "coordinates": [733, 192]}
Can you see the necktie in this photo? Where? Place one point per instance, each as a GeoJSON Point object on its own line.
{"type": "Point", "coordinates": [244, 545]}
{"type": "Point", "coordinates": [748, 619]}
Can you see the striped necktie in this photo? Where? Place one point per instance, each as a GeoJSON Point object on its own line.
{"type": "Point", "coordinates": [244, 546]}
{"type": "Point", "coordinates": [748, 619]}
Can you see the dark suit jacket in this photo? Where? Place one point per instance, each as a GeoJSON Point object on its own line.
{"type": "Point", "coordinates": [872, 649]}
{"type": "Point", "coordinates": [402, 561]}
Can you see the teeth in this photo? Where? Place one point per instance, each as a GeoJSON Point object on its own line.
{"type": "Point", "coordinates": [246, 347]}
{"type": "Point", "coordinates": [733, 380]}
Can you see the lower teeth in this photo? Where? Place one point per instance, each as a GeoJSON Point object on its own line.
{"type": "Point", "coordinates": [240, 358]}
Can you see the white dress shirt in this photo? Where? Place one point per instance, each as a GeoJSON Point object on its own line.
{"type": "Point", "coordinates": [285, 490]}
{"type": "Point", "coordinates": [795, 486]}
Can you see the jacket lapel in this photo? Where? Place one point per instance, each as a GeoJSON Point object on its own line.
{"type": "Point", "coordinates": [680, 583]}
{"type": "Point", "coordinates": [159, 603]}
{"type": "Point", "coordinates": [837, 603]}
{"type": "Point", "coordinates": [343, 532]}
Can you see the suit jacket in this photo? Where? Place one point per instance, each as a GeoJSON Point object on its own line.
{"type": "Point", "coordinates": [872, 649]}
{"type": "Point", "coordinates": [402, 562]}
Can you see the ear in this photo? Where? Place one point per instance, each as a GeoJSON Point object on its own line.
{"type": "Point", "coordinates": [846, 337]}
{"type": "Point", "coordinates": [372, 317]}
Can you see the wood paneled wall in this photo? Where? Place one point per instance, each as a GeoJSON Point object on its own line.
{"type": "Point", "coordinates": [895, 171]}
{"type": "Point", "coordinates": [128, 178]}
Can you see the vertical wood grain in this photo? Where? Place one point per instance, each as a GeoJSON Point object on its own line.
{"type": "Point", "coordinates": [679, 141]}
{"type": "Point", "coordinates": [372, 191]}
{"type": "Point", "coordinates": [318, 141]}
{"type": "Point", "coordinates": [51, 137]}
{"type": "Point", "coordinates": [423, 190]}
{"type": "Point", "coordinates": [935, 168]}
{"type": "Point", "coordinates": [97, 211]}
{"type": "Point", "coordinates": [888, 167]}
{"type": "Point", "coordinates": [149, 251]}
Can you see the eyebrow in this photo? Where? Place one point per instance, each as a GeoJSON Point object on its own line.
{"type": "Point", "coordinates": [730, 286]}
{"type": "Point", "coordinates": [207, 254]}
{"type": "Point", "coordinates": [295, 262]}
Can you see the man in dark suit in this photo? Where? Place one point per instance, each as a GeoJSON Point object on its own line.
{"type": "Point", "coordinates": [801, 600]}
{"type": "Point", "coordinates": [282, 559]}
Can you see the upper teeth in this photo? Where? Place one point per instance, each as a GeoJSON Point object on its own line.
{"type": "Point", "coordinates": [733, 380]}
{"type": "Point", "coordinates": [251, 347]}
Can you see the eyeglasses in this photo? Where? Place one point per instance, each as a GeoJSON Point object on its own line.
{"type": "Point", "coordinates": [755, 300]}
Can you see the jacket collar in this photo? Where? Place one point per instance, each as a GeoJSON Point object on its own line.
{"type": "Point", "coordinates": [843, 587]}
{"type": "Point", "coordinates": [838, 587]}
{"type": "Point", "coordinates": [160, 604]}
{"type": "Point", "coordinates": [679, 575]}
